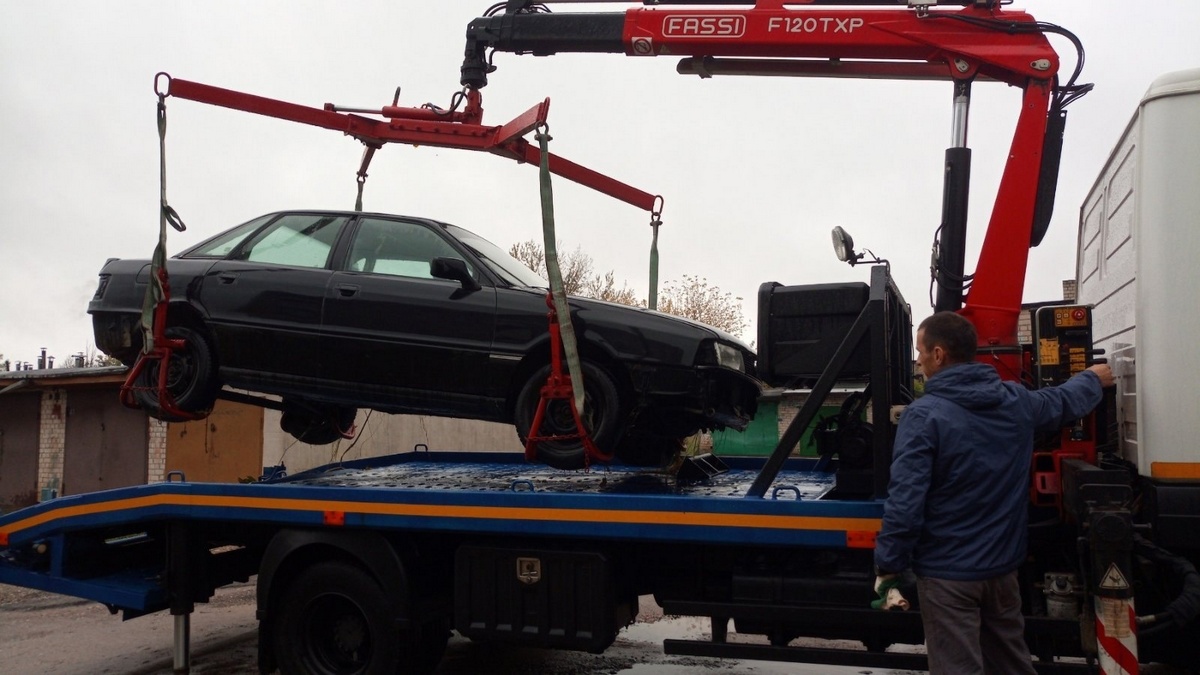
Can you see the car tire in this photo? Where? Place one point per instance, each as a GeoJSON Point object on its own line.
{"type": "Point", "coordinates": [648, 450]}
{"type": "Point", "coordinates": [315, 423]}
{"type": "Point", "coordinates": [191, 378]}
{"type": "Point", "coordinates": [335, 618]}
{"type": "Point", "coordinates": [601, 416]}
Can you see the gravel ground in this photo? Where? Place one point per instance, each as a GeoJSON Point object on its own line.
{"type": "Point", "coordinates": [46, 633]}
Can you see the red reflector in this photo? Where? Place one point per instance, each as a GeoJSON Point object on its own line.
{"type": "Point", "coordinates": [3, 539]}
{"type": "Point", "coordinates": [335, 517]}
{"type": "Point", "coordinates": [860, 539]}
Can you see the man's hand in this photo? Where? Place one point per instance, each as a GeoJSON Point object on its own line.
{"type": "Point", "coordinates": [887, 588]}
{"type": "Point", "coordinates": [1104, 372]}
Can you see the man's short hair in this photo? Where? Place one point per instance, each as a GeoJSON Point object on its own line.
{"type": "Point", "coordinates": [952, 333]}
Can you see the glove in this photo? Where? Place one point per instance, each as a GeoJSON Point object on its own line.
{"type": "Point", "coordinates": [887, 587]}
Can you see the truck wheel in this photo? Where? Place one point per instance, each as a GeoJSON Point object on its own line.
{"type": "Point", "coordinates": [316, 424]}
{"type": "Point", "coordinates": [191, 378]}
{"type": "Point", "coordinates": [601, 416]}
{"type": "Point", "coordinates": [334, 619]}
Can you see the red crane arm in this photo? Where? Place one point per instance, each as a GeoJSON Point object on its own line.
{"type": "Point", "coordinates": [423, 126]}
{"type": "Point", "coordinates": [780, 37]}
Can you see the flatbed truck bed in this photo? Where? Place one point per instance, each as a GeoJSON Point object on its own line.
{"type": "Point", "coordinates": [506, 549]}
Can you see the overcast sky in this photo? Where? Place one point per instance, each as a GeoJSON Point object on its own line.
{"type": "Point", "coordinates": [754, 171]}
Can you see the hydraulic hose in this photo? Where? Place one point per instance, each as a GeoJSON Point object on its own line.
{"type": "Point", "coordinates": [1186, 605]}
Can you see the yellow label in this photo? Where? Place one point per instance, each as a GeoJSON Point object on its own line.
{"type": "Point", "coordinates": [1049, 352]}
{"type": "Point", "coordinates": [1114, 614]}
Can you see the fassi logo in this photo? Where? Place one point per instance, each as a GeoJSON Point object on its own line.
{"type": "Point", "coordinates": [726, 26]}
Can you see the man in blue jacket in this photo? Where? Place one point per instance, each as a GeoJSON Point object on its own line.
{"type": "Point", "coordinates": [957, 506]}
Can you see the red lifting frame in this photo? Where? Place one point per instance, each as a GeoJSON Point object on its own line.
{"type": "Point", "coordinates": [423, 126]}
{"type": "Point", "coordinates": [558, 388]}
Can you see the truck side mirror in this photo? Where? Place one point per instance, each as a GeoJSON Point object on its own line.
{"type": "Point", "coordinates": [453, 268]}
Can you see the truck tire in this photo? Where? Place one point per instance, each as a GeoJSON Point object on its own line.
{"type": "Point", "coordinates": [191, 378]}
{"type": "Point", "coordinates": [334, 619]}
{"type": "Point", "coordinates": [601, 416]}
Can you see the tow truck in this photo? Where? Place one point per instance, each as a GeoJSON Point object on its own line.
{"type": "Point", "coordinates": [366, 566]}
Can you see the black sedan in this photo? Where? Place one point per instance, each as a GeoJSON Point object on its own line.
{"type": "Point", "coordinates": [333, 311]}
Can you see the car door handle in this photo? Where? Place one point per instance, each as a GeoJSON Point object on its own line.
{"type": "Point", "coordinates": [227, 277]}
{"type": "Point", "coordinates": [347, 290]}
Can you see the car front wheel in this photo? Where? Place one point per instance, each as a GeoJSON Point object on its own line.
{"type": "Point", "coordinates": [601, 417]}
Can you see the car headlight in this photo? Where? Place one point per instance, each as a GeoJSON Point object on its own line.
{"type": "Point", "coordinates": [729, 356]}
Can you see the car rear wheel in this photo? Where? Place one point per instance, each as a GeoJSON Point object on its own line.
{"type": "Point", "coordinates": [601, 417]}
{"type": "Point", "coordinates": [191, 378]}
{"type": "Point", "coordinates": [317, 423]}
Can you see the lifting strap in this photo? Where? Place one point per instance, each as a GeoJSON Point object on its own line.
{"type": "Point", "coordinates": [159, 289]}
{"type": "Point", "coordinates": [156, 346]}
{"type": "Point", "coordinates": [566, 328]}
{"type": "Point", "coordinates": [562, 332]}
{"type": "Point", "coordinates": [655, 222]}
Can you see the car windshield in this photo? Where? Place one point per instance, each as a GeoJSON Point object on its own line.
{"type": "Point", "coordinates": [497, 259]}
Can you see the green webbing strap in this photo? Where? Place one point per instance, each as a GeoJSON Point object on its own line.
{"type": "Point", "coordinates": [155, 292]}
{"type": "Point", "coordinates": [361, 176]}
{"type": "Point", "coordinates": [566, 329]}
{"type": "Point", "coordinates": [655, 221]}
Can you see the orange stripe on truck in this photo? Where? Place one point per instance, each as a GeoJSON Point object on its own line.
{"type": "Point", "coordinates": [1175, 470]}
{"type": "Point", "coordinates": [857, 525]}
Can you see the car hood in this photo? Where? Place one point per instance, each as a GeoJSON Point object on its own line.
{"type": "Point", "coordinates": [581, 302]}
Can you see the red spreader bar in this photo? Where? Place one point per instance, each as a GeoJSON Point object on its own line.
{"type": "Point", "coordinates": [423, 126]}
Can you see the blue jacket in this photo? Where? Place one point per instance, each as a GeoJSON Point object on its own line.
{"type": "Point", "coordinates": [957, 505]}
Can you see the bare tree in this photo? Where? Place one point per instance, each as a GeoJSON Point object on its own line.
{"type": "Point", "coordinates": [576, 266]}
{"type": "Point", "coordinates": [604, 287]}
{"type": "Point", "coordinates": [692, 297]}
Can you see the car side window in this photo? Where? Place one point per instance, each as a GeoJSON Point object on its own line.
{"type": "Point", "coordinates": [398, 248]}
{"type": "Point", "coordinates": [295, 240]}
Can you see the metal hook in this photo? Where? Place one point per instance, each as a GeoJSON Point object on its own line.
{"type": "Point", "coordinates": [161, 93]}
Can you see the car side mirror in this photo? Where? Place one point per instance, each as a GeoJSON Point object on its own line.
{"type": "Point", "coordinates": [453, 268]}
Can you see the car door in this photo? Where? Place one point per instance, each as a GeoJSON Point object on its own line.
{"type": "Point", "coordinates": [264, 300]}
{"type": "Point", "coordinates": [410, 340]}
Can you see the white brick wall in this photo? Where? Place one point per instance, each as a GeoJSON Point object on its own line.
{"type": "Point", "coordinates": [156, 462]}
{"type": "Point", "coordinates": [52, 440]}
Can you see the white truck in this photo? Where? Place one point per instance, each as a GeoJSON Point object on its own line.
{"type": "Point", "coordinates": [1139, 232]}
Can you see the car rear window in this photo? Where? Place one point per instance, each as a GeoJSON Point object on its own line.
{"type": "Point", "coordinates": [224, 243]}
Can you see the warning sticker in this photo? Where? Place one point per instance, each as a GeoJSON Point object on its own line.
{"type": "Point", "coordinates": [1113, 579]}
{"type": "Point", "coordinates": [1048, 352]}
